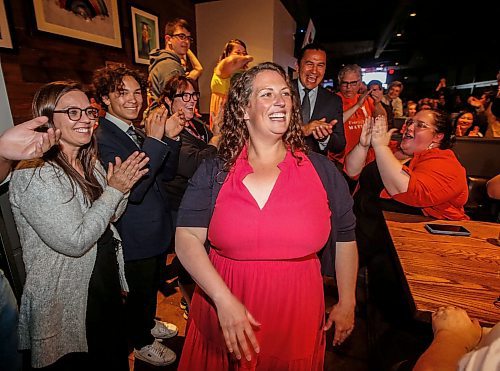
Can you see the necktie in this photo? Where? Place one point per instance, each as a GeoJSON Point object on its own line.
{"type": "Point", "coordinates": [306, 106]}
{"type": "Point", "coordinates": [135, 137]}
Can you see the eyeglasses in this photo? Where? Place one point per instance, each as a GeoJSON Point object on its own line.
{"type": "Point", "coordinates": [418, 124]}
{"type": "Point", "coordinates": [186, 97]}
{"type": "Point", "coordinates": [183, 37]}
{"type": "Point", "coordinates": [75, 113]}
{"type": "Point", "coordinates": [347, 84]}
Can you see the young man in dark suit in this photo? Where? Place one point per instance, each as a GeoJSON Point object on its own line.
{"type": "Point", "coordinates": [146, 226]}
{"type": "Point", "coordinates": [323, 126]}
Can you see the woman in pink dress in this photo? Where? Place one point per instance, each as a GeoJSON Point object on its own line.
{"type": "Point", "coordinates": [267, 207]}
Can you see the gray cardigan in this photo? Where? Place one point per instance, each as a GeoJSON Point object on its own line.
{"type": "Point", "coordinates": [58, 236]}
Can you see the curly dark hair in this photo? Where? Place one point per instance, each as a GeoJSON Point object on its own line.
{"type": "Point", "coordinates": [444, 125]}
{"type": "Point", "coordinates": [234, 127]}
{"type": "Point", "coordinates": [110, 79]}
{"type": "Point", "coordinates": [44, 104]}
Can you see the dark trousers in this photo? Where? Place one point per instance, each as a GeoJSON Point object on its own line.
{"type": "Point", "coordinates": [105, 317]}
{"type": "Point", "coordinates": [143, 278]}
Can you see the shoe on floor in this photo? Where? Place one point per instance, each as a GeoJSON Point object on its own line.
{"type": "Point", "coordinates": [183, 304]}
{"type": "Point", "coordinates": [164, 330]}
{"type": "Point", "coordinates": [156, 354]}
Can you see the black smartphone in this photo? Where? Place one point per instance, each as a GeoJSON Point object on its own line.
{"type": "Point", "coordinates": [449, 229]}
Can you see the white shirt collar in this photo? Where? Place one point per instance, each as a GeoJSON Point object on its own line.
{"type": "Point", "coordinates": [118, 122]}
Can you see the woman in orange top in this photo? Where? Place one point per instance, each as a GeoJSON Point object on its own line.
{"type": "Point", "coordinates": [423, 176]}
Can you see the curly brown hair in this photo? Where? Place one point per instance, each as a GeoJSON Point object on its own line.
{"type": "Point", "coordinates": [234, 131]}
{"type": "Point", "coordinates": [110, 79]}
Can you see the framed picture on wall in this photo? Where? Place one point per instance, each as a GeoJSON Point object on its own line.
{"type": "Point", "coordinates": [91, 20]}
{"type": "Point", "coordinates": [5, 38]}
{"type": "Point", "coordinates": [145, 34]}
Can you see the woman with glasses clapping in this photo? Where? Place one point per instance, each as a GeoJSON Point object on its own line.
{"type": "Point", "coordinates": [422, 176]}
{"type": "Point", "coordinates": [63, 205]}
{"type": "Point", "coordinates": [197, 143]}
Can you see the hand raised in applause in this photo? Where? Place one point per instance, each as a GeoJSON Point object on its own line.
{"type": "Point", "coordinates": [323, 131]}
{"type": "Point", "coordinates": [366, 133]}
{"type": "Point", "coordinates": [309, 128]}
{"type": "Point", "coordinates": [123, 175]}
{"type": "Point", "coordinates": [236, 323]}
{"type": "Point", "coordinates": [155, 123]}
{"type": "Point", "coordinates": [380, 136]}
{"type": "Point", "coordinates": [175, 124]}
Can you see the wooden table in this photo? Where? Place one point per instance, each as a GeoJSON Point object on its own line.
{"type": "Point", "coordinates": [448, 270]}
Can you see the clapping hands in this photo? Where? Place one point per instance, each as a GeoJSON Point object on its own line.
{"type": "Point", "coordinates": [159, 124]}
{"type": "Point", "coordinates": [374, 132]}
{"type": "Point", "coordinates": [123, 175]}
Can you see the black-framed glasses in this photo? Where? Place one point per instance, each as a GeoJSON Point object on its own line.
{"type": "Point", "coordinates": [183, 37]}
{"type": "Point", "coordinates": [186, 97]}
{"type": "Point", "coordinates": [347, 84]}
{"type": "Point", "coordinates": [75, 113]}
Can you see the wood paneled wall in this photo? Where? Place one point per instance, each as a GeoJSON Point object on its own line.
{"type": "Point", "coordinates": [40, 57]}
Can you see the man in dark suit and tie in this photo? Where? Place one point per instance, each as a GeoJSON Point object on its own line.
{"type": "Point", "coordinates": [146, 226]}
{"type": "Point", "coordinates": [323, 127]}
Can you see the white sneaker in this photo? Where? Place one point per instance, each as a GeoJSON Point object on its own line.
{"type": "Point", "coordinates": [164, 330]}
{"type": "Point", "coordinates": [156, 354]}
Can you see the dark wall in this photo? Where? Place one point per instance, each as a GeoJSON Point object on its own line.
{"type": "Point", "coordinates": [40, 57]}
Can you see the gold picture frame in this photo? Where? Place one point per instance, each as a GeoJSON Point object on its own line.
{"type": "Point", "coordinates": [90, 20]}
{"type": "Point", "coordinates": [145, 33]}
{"type": "Point", "coordinates": [5, 36]}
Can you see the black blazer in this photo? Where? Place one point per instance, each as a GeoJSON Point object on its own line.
{"type": "Point", "coordinates": [329, 106]}
{"type": "Point", "coordinates": [193, 151]}
{"type": "Point", "coordinates": [146, 225]}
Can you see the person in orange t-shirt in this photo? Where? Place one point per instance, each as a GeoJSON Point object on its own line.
{"type": "Point", "coordinates": [423, 176]}
{"type": "Point", "coordinates": [357, 108]}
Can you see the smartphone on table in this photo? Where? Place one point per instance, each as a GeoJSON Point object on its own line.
{"type": "Point", "coordinates": [448, 229]}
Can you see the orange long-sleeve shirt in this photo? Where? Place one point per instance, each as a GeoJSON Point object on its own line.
{"type": "Point", "coordinates": [438, 184]}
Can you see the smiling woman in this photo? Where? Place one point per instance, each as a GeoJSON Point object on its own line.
{"type": "Point", "coordinates": [294, 203]}
{"type": "Point", "coordinates": [63, 205]}
{"type": "Point", "coordinates": [422, 176]}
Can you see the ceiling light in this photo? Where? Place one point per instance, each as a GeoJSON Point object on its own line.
{"type": "Point", "coordinates": [406, 77]}
{"type": "Point", "coordinates": [413, 14]}
{"type": "Point", "coordinates": [397, 63]}
{"type": "Point", "coordinates": [399, 34]}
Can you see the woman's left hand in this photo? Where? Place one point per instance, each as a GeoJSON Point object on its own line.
{"type": "Point", "coordinates": [174, 124]}
{"type": "Point", "coordinates": [343, 317]}
{"type": "Point", "coordinates": [380, 136]}
{"type": "Point", "coordinates": [123, 175]}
